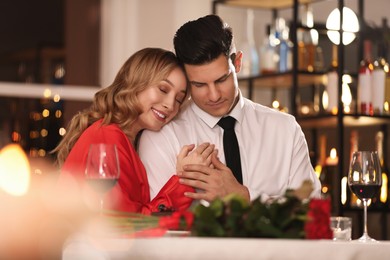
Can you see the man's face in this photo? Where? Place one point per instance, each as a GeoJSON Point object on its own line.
{"type": "Point", "coordinates": [214, 86]}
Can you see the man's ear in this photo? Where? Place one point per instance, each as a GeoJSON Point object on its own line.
{"type": "Point", "coordinates": [237, 61]}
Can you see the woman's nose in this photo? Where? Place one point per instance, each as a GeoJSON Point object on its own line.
{"type": "Point", "coordinates": [169, 103]}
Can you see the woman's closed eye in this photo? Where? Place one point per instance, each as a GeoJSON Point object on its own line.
{"type": "Point", "coordinates": [179, 97]}
{"type": "Point", "coordinates": [163, 89]}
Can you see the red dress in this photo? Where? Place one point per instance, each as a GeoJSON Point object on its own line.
{"type": "Point", "coordinates": [131, 193]}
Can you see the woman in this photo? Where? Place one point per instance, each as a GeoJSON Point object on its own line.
{"type": "Point", "coordinates": [146, 94]}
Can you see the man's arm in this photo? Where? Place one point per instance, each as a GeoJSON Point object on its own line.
{"type": "Point", "coordinates": [301, 168]}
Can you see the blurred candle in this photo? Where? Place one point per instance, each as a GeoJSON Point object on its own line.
{"type": "Point", "coordinates": [14, 170]}
{"type": "Point", "coordinates": [332, 159]}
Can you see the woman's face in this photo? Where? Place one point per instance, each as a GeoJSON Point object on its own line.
{"type": "Point", "coordinates": [161, 102]}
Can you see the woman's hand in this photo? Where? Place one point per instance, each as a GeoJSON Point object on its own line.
{"type": "Point", "coordinates": [211, 183]}
{"type": "Point", "coordinates": [201, 155]}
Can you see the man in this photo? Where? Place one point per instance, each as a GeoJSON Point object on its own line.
{"type": "Point", "coordinates": [273, 150]}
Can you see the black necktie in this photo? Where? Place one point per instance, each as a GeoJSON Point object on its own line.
{"type": "Point", "coordinates": [230, 146]}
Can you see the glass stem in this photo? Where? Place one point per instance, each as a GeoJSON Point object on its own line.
{"type": "Point", "coordinates": [365, 232]}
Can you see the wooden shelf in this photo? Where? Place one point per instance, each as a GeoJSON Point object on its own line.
{"type": "Point", "coordinates": [362, 120]}
{"type": "Point", "coordinates": [265, 4]}
{"type": "Point", "coordinates": [33, 53]}
{"type": "Point", "coordinates": [330, 121]}
{"type": "Point", "coordinates": [284, 80]}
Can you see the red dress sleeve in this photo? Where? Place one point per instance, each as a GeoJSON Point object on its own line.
{"type": "Point", "coordinates": [172, 196]}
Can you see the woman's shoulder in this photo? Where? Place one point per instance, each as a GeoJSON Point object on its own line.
{"type": "Point", "coordinates": [98, 130]}
{"type": "Point", "coordinates": [99, 126]}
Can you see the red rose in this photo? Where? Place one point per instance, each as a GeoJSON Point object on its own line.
{"type": "Point", "coordinates": [318, 224]}
{"type": "Point", "coordinates": [178, 220]}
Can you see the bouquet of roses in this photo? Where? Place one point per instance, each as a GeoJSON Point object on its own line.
{"type": "Point", "coordinates": [290, 216]}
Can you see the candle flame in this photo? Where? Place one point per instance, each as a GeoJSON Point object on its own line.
{"type": "Point", "coordinates": [344, 185]}
{"type": "Point", "coordinates": [333, 153]}
{"type": "Point", "coordinates": [14, 170]}
{"type": "Point", "coordinates": [383, 193]}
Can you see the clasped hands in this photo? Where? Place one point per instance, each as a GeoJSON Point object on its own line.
{"type": "Point", "coordinates": [201, 169]}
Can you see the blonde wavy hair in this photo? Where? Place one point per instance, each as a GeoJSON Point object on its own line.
{"type": "Point", "coordinates": [118, 103]}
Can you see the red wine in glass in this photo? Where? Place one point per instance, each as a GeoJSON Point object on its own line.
{"type": "Point", "coordinates": [101, 185]}
{"type": "Point", "coordinates": [365, 180]}
{"type": "Point", "coordinates": [367, 191]}
{"type": "Point", "coordinates": [102, 168]}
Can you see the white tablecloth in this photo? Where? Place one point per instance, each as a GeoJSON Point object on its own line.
{"type": "Point", "coordinates": [222, 248]}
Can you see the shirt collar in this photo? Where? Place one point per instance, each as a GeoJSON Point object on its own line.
{"type": "Point", "coordinates": [237, 112]}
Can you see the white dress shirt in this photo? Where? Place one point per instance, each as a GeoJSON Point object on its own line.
{"type": "Point", "coordinates": [273, 148]}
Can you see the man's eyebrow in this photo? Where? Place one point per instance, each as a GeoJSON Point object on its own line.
{"type": "Point", "coordinates": [224, 76]}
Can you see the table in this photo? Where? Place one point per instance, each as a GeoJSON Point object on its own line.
{"type": "Point", "coordinates": [222, 248]}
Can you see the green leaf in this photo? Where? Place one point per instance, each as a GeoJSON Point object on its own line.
{"type": "Point", "coordinates": [233, 216]}
{"type": "Point", "coordinates": [217, 207]}
{"type": "Point", "coordinates": [234, 197]}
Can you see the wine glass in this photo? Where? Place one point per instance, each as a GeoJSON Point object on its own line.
{"type": "Point", "coordinates": [365, 180]}
{"type": "Point", "coordinates": [102, 169]}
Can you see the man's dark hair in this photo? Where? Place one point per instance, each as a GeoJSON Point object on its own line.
{"type": "Point", "coordinates": [203, 40]}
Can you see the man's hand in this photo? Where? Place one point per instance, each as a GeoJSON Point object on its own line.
{"type": "Point", "coordinates": [218, 181]}
{"type": "Point", "coordinates": [201, 155]}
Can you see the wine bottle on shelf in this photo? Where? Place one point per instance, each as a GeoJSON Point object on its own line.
{"type": "Point", "coordinates": [381, 198]}
{"type": "Point", "coordinates": [307, 41]}
{"type": "Point", "coordinates": [320, 167]}
{"type": "Point", "coordinates": [386, 35]}
{"type": "Point", "coordinates": [250, 64]}
{"type": "Point", "coordinates": [379, 81]}
{"type": "Point", "coordinates": [285, 46]}
{"type": "Point", "coordinates": [354, 146]}
{"type": "Point", "coordinates": [332, 84]}
{"type": "Point", "coordinates": [386, 109]}
{"type": "Point", "coordinates": [268, 52]}
{"type": "Point", "coordinates": [364, 81]}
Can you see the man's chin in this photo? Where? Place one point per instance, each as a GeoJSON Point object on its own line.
{"type": "Point", "coordinates": [217, 113]}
